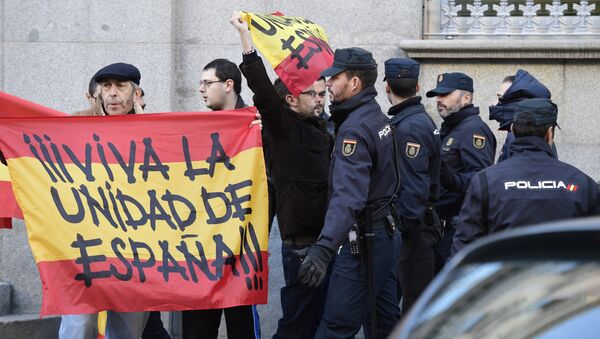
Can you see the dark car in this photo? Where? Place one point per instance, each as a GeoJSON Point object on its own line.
{"type": "Point", "coordinates": [532, 282]}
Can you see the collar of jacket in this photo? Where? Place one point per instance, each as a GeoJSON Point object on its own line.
{"type": "Point", "coordinates": [455, 118]}
{"type": "Point", "coordinates": [400, 109]}
{"type": "Point", "coordinates": [240, 103]}
{"type": "Point", "coordinates": [526, 144]}
{"type": "Point", "coordinates": [340, 112]}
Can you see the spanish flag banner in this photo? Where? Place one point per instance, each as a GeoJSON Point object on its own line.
{"type": "Point", "coordinates": [12, 106]}
{"type": "Point", "coordinates": [297, 48]}
{"type": "Point", "coordinates": [142, 212]}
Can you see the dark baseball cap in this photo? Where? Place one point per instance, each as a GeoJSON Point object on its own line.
{"type": "Point", "coordinates": [544, 111]}
{"type": "Point", "coordinates": [354, 58]}
{"type": "Point", "coordinates": [449, 82]}
{"type": "Point", "coordinates": [399, 68]}
{"type": "Point", "coordinates": [120, 71]}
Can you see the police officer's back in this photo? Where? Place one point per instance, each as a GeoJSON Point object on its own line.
{"type": "Point", "coordinates": [528, 188]}
{"type": "Point", "coordinates": [418, 154]}
{"type": "Point", "coordinates": [361, 186]}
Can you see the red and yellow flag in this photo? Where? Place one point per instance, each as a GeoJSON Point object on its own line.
{"type": "Point", "coordinates": [297, 48]}
{"type": "Point", "coordinates": [12, 106]}
{"type": "Point", "coordinates": [142, 212]}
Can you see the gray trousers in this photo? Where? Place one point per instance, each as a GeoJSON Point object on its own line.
{"type": "Point", "coordinates": [119, 325]}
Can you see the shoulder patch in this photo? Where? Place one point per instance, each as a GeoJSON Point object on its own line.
{"type": "Point", "coordinates": [412, 149]}
{"type": "Point", "coordinates": [478, 141]}
{"type": "Point", "coordinates": [349, 146]}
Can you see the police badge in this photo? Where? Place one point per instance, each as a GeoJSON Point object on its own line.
{"type": "Point", "coordinates": [478, 141]}
{"type": "Point", "coordinates": [412, 149]}
{"type": "Point", "coordinates": [348, 147]}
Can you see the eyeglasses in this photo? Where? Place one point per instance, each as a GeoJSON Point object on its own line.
{"type": "Point", "coordinates": [312, 93]}
{"type": "Point", "coordinates": [206, 83]}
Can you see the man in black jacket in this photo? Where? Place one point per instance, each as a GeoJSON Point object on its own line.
{"type": "Point", "coordinates": [220, 87]}
{"type": "Point", "coordinates": [300, 147]}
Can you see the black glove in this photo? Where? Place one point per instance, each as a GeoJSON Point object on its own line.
{"type": "Point", "coordinates": [447, 178]}
{"type": "Point", "coordinates": [314, 266]}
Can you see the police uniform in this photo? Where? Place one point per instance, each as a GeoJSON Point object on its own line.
{"type": "Point", "coordinates": [528, 188]}
{"type": "Point", "coordinates": [418, 153]}
{"type": "Point", "coordinates": [360, 181]}
{"type": "Point", "coordinates": [468, 146]}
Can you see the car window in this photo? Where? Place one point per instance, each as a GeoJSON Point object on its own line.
{"type": "Point", "coordinates": [515, 299]}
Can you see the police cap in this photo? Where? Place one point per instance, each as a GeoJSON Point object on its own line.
{"type": "Point", "coordinates": [544, 111]}
{"type": "Point", "coordinates": [398, 68]}
{"type": "Point", "coordinates": [449, 82]}
{"type": "Point", "coordinates": [354, 58]}
{"type": "Point", "coordinates": [120, 71]}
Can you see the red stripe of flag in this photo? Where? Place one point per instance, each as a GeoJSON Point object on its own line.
{"type": "Point", "coordinates": [176, 294]}
{"type": "Point", "coordinates": [298, 78]}
{"type": "Point", "coordinates": [76, 132]}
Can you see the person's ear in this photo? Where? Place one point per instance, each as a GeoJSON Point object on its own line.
{"type": "Point", "coordinates": [229, 85]}
{"type": "Point", "coordinates": [291, 100]}
{"type": "Point", "coordinates": [549, 136]}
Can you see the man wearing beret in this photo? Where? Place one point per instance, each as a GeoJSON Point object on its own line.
{"type": "Point", "coordinates": [119, 90]}
{"type": "Point", "coordinates": [531, 186]}
{"type": "Point", "coordinates": [363, 283]}
{"type": "Point", "coordinates": [468, 146]}
{"type": "Point", "coordinates": [418, 153]}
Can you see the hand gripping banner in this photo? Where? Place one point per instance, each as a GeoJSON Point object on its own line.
{"type": "Point", "coordinates": [296, 47]}
{"type": "Point", "coordinates": [142, 212]}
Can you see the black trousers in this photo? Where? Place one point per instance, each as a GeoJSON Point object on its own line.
{"type": "Point", "coordinates": [242, 323]}
{"type": "Point", "coordinates": [416, 267]}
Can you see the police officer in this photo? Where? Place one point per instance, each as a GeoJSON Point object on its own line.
{"type": "Point", "coordinates": [528, 188]}
{"type": "Point", "coordinates": [512, 90]}
{"type": "Point", "coordinates": [360, 193]}
{"type": "Point", "coordinates": [468, 146]}
{"type": "Point", "coordinates": [418, 153]}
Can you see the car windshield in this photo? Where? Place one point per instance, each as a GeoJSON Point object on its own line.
{"type": "Point", "coordinates": [515, 299]}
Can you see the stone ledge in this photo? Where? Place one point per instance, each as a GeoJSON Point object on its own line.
{"type": "Point", "coordinates": [502, 49]}
{"type": "Point", "coordinates": [29, 326]}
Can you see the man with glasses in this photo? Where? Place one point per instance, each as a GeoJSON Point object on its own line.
{"type": "Point", "coordinates": [220, 88]}
{"type": "Point", "coordinates": [300, 148]}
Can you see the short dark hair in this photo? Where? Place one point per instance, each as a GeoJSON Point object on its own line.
{"type": "Point", "coordinates": [367, 76]}
{"type": "Point", "coordinates": [225, 70]}
{"type": "Point", "coordinates": [281, 90]}
{"type": "Point", "coordinates": [403, 87]}
{"type": "Point", "coordinates": [92, 87]}
{"type": "Point", "coordinates": [525, 126]}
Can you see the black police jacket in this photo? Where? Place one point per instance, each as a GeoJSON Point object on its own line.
{"type": "Point", "coordinates": [530, 187]}
{"type": "Point", "coordinates": [362, 166]}
{"type": "Point", "coordinates": [418, 152]}
{"type": "Point", "coordinates": [468, 146]}
{"type": "Point", "coordinates": [300, 150]}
